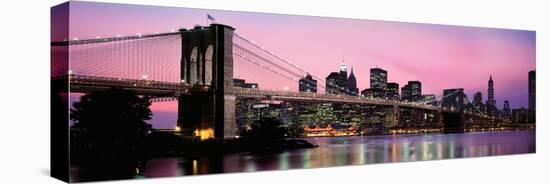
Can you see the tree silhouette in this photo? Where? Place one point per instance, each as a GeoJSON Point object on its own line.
{"type": "Point", "coordinates": [109, 124]}
{"type": "Point", "coordinates": [266, 130]}
{"type": "Point", "coordinates": [295, 130]}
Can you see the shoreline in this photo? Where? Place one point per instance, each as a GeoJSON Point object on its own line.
{"type": "Point", "coordinates": [426, 133]}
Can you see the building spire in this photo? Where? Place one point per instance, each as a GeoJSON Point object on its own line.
{"type": "Point", "coordinates": [351, 75]}
{"type": "Point", "coordinates": [343, 67]}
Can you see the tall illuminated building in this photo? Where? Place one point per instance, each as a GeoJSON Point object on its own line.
{"type": "Point", "coordinates": [307, 84]}
{"type": "Point", "coordinates": [506, 112]}
{"type": "Point", "coordinates": [532, 96]}
{"type": "Point", "coordinates": [412, 91]}
{"type": "Point", "coordinates": [491, 102]}
{"type": "Point", "coordinates": [331, 83]}
{"type": "Point", "coordinates": [378, 78]}
{"type": "Point", "coordinates": [392, 91]}
{"type": "Point", "coordinates": [416, 90]}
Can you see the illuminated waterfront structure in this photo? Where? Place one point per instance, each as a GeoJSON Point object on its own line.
{"type": "Point", "coordinates": [329, 130]}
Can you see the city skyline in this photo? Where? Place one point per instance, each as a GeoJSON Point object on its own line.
{"type": "Point", "coordinates": [467, 56]}
{"type": "Point", "coordinates": [146, 91]}
{"type": "Point", "coordinates": [488, 94]}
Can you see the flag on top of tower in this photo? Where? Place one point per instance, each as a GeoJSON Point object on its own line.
{"type": "Point", "coordinates": [210, 17]}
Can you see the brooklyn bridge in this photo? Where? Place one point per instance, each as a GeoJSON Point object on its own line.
{"type": "Point", "coordinates": [197, 67]}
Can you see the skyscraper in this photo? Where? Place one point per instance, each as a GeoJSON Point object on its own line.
{"type": "Point", "coordinates": [352, 84]}
{"type": "Point", "coordinates": [532, 97]}
{"type": "Point", "coordinates": [478, 102]}
{"type": "Point", "coordinates": [520, 116]}
{"type": "Point", "coordinates": [478, 98]}
{"type": "Point", "coordinates": [378, 78]}
{"type": "Point", "coordinates": [307, 84]}
{"type": "Point", "coordinates": [416, 90]}
{"type": "Point", "coordinates": [506, 112]}
{"type": "Point", "coordinates": [392, 91]}
{"type": "Point", "coordinates": [406, 93]}
{"type": "Point", "coordinates": [491, 103]}
{"type": "Point", "coordinates": [532, 90]}
{"type": "Point", "coordinates": [339, 83]}
{"type": "Point", "coordinates": [332, 83]}
{"type": "Point", "coordinates": [490, 90]}
{"type": "Point", "coordinates": [343, 78]}
{"type": "Point", "coordinates": [378, 83]}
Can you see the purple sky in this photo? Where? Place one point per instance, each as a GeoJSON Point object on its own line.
{"type": "Point", "coordinates": [440, 56]}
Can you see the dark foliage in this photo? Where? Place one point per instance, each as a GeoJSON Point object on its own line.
{"type": "Point", "coordinates": [266, 130]}
{"type": "Point", "coordinates": [295, 130]}
{"type": "Point", "coordinates": [109, 124]}
{"type": "Point", "coordinates": [111, 139]}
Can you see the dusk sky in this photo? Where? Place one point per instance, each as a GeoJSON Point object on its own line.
{"type": "Point", "coordinates": [437, 55]}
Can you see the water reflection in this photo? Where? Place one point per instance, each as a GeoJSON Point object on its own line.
{"type": "Point", "coordinates": [340, 151]}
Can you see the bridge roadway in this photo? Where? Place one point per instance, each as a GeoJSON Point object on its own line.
{"type": "Point", "coordinates": [169, 91]}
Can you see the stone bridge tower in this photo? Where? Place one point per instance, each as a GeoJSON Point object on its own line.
{"type": "Point", "coordinates": [208, 111]}
{"type": "Point", "coordinates": [454, 121]}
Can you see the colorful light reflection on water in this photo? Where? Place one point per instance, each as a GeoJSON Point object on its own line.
{"type": "Point", "coordinates": [341, 151]}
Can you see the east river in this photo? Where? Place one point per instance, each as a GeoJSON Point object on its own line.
{"type": "Point", "coordinates": [355, 150]}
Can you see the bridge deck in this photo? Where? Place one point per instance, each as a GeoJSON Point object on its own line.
{"type": "Point", "coordinates": [85, 84]}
